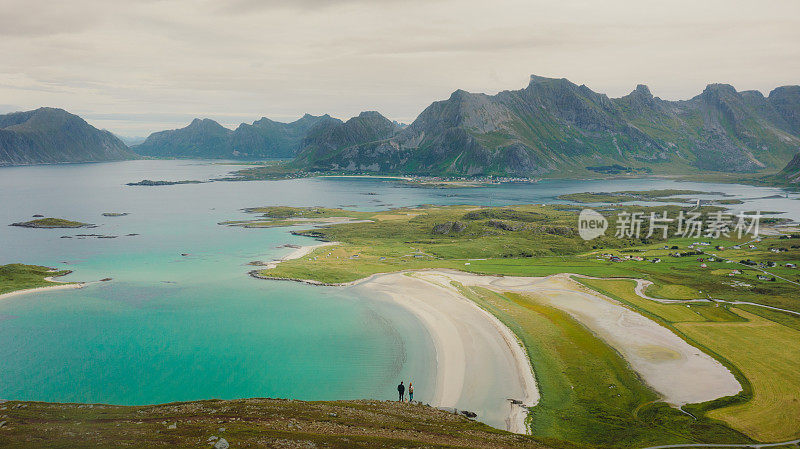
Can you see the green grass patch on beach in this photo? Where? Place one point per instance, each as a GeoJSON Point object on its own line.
{"type": "Point", "coordinates": [17, 276]}
{"type": "Point", "coordinates": [589, 394]}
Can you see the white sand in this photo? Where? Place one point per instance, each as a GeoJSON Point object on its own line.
{"type": "Point", "coordinates": [59, 286]}
{"type": "Point", "coordinates": [679, 372]}
{"type": "Point", "coordinates": [297, 253]}
{"type": "Point", "coordinates": [480, 363]}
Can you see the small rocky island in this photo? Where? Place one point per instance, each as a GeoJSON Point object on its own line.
{"type": "Point", "coordinates": [52, 223]}
{"type": "Point", "coordinates": [147, 182]}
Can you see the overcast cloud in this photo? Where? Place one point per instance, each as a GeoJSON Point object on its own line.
{"type": "Point", "coordinates": [135, 67]}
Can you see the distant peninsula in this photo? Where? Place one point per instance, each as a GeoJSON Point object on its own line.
{"type": "Point", "coordinates": [147, 182]}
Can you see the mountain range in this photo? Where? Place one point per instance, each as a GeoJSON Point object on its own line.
{"type": "Point", "coordinates": [49, 135]}
{"type": "Point", "coordinates": [552, 127]}
{"type": "Point", "coordinates": [207, 139]}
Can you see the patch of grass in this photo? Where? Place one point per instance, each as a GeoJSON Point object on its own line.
{"type": "Point", "coordinates": [629, 195]}
{"type": "Point", "coordinates": [622, 290]}
{"type": "Point", "coordinates": [531, 240]}
{"type": "Point", "coordinates": [17, 276]}
{"type": "Point", "coordinates": [249, 423]}
{"type": "Point", "coordinates": [589, 394]}
{"type": "Point", "coordinates": [767, 353]}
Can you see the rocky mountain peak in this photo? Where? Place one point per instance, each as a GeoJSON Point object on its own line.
{"type": "Point", "coordinates": [642, 91]}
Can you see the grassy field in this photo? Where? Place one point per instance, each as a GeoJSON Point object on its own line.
{"type": "Point", "coordinates": [534, 240]}
{"type": "Point", "coordinates": [767, 353]}
{"type": "Point", "coordinates": [589, 394]}
{"type": "Point", "coordinates": [20, 277]}
{"type": "Point", "coordinates": [763, 350]}
{"type": "Point", "coordinates": [248, 423]}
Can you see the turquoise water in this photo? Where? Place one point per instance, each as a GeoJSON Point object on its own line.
{"type": "Point", "coordinates": [171, 327]}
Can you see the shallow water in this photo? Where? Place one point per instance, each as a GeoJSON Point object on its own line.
{"type": "Point", "coordinates": [171, 327]}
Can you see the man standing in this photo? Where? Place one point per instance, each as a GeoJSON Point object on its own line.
{"type": "Point", "coordinates": [401, 390]}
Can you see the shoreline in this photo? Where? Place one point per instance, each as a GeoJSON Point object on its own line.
{"type": "Point", "coordinates": [60, 286]}
{"type": "Point", "coordinates": [481, 365]}
{"type": "Point", "coordinates": [296, 254]}
{"type": "Point", "coordinates": [678, 372]}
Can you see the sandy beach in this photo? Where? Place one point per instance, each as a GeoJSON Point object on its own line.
{"type": "Point", "coordinates": [480, 363]}
{"type": "Point", "coordinates": [59, 286]}
{"type": "Point", "coordinates": [679, 372]}
{"type": "Point", "coordinates": [297, 253]}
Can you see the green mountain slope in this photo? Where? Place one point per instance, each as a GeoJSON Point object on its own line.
{"type": "Point", "coordinates": [555, 127]}
{"type": "Point", "coordinates": [789, 176]}
{"type": "Point", "coordinates": [49, 135]}
{"type": "Point", "coordinates": [332, 142]}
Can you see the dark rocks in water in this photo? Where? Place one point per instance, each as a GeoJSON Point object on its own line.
{"type": "Point", "coordinates": [106, 236]}
{"type": "Point", "coordinates": [105, 279]}
{"type": "Point", "coordinates": [38, 216]}
{"type": "Point", "coordinates": [114, 214]}
{"type": "Point", "coordinates": [131, 235]}
{"type": "Point", "coordinates": [147, 182]}
{"type": "Point", "coordinates": [289, 245]}
{"type": "Point", "coordinates": [448, 227]}
{"type": "Point", "coordinates": [469, 414]}
{"type": "Point", "coordinates": [66, 236]}
{"type": "Point", "coordinates": [184, 254]}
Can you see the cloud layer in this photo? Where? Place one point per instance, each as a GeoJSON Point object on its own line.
{"type": "Point", "coordinates": [137, 67]}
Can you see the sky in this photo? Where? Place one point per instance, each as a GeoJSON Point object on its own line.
{"type": "Point", "coordinates": [136, 67]}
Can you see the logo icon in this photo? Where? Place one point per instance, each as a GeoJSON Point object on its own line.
{"type": "Point", "coordinates": [591, 224]}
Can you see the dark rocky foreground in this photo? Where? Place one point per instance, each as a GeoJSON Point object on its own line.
{"type": "Point", "coordinates": [246, 423]}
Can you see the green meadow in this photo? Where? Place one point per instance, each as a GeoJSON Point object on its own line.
{"type": "Point", "coordinates": [17, 276]}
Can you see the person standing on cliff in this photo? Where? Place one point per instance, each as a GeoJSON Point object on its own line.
{"type": "Point", "coordinates": [410, 392]}
{"type": "Point", "coordinates": [401, 391]}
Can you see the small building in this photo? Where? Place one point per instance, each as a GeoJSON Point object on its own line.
{"type": "Point", "coordinates": [702, 265]}
{"type": "Point", "coordinates": [791, 265]}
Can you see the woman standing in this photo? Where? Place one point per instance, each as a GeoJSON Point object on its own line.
{"type": "Point", "coordinates": [410, 392]}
